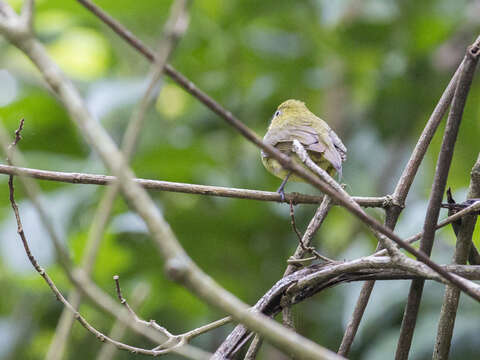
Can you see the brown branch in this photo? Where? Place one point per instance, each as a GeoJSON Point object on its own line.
{"type": "Point", "coordinates": [168, 186]}
{"type": "Point", "coordinates": [452, 295]}
{"type": "Point", "coordinates": [438, 189]}
{"type": "Point", "coordinates": [398, 201]}
{"type": "Point", "coordinates": [298, 259]}
{"type": "Point", "coordinates": [304, 241]}
{"type": "Point", "coordinates": [118, 330]}
{"type": "Point", "coordinates": [313, 279]}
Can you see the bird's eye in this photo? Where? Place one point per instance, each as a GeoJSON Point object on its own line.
{"type": "Point", "coordinates": [277, 113]}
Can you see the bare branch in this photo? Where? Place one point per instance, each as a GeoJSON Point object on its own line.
{"type": "Point", "coordinates": [173, 30]}
{"type": "Point", "coordinates": [452, 295]}
{"type": "Point", "coordinates": [438, 189]}
{"type": "Point", "coordinates": [172, 341]}
{"type": "Point", "coordinates": [139, 294]}
{"type": "Point", "coordinates": [158, 185]}
{"type": "Point", "coordinates": [398, 201]}
{"type": "Point", "coordinates": [379, 229]}
{"type": "Point", "coordinates": [304, 241]}
{"type": "Point", "coordinates": [308, 281]}
{"type": "Point", "coordinates": [51, 284]}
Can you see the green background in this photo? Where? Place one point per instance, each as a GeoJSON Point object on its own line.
{"type": "Point", "coordinates": [373, 70]}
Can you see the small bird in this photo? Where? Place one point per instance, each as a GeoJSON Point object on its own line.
{"type": "Point", "coordinates": [292, 120]}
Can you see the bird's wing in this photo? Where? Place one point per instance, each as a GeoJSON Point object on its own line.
{"type": "Point", "coordinates": [311, 140]}
{"type": "Point", "coordinates": [338, 144]}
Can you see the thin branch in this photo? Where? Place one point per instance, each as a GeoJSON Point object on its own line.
{"type": "Point", "coordinates": [475, 207]}
{"type": "Point", "coordinates": [139, 294]}
{"type": "Point", "coordinates": [254, 348]}
{"type": "Point", "coordinates": [296, 260]}
{"type": "Point", "coordinates": [438, 189]}
{"type": "Point", "coordinates": [452, 295]}
{"type": "Point", "coordinates": [100, 336]}
{"type": "Point", "coordinates": [172, 341]}
{"type": "Point", "coordinates": [168, 186]}
{"type": "Point", "coordinates": [303, 241]}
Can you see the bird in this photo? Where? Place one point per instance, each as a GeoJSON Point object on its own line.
{"type": "Point", "coordinates": [293, 120]}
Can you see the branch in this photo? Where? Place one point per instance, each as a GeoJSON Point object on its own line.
{"type": "Point", "coordinates": [172, 341]}
{"type": "Point", "coordinates": [438, 189]}
{"type": "Point", "coordinates": [174, 28]}
{"type": "Point", "coordinates": [168, 186]}
{"type": "Point", "coordinates": [100, 336]}
{"type": "Point", "coordinates": [107, 351]}
{"type": "Point", "coordinates": [398, 201]}
{"type": "Point", "coordinates": [308, 281]}
{"type": "Point", "coordinates": [452, 295]}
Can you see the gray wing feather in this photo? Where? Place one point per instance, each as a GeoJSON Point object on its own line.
{"type": "Point", "coordinates": [338, 144]}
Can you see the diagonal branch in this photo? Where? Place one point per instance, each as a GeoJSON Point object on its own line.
{"type": "Point", "coordinates": [452, 295]}
{"type": "Point", "coordinates": [173, 30]}
{"type": "Point", "coordinates": [399, 196]}
{"type": "Point", "coordinates": [438, 189]}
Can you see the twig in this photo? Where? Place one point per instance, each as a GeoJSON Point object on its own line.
{"type": "Point", "coordinates": [177, 263]}
{"type": "Point", "coordinates": [51, 284]}
{"type": "Point", "coordinates": [438, 189]}
{"type": "Point", "coordinates": [471, 209]}
{"type": "Point", "coordinates": [303, 247]}
{"type": "Point", "coordinates": [302, 243]}
{"type": "Point", "coordinates": [254, 348]}
{"type": "Point", "coordinates": [168, 186]}
{"type": "Point", "coordinates": [173, 341]}
{"type": "Point", "coordinates": [107, 352]}
{"type": "Point", "coordinates": [452, 295]}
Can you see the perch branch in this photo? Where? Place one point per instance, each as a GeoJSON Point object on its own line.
{"type": "Point", "coordinates": [168, 186]}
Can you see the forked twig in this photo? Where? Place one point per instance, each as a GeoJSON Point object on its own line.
{"type": "Point", "coordinates": [100, 336]}
{"type": "Point", "coordinates": [173, 341]}
{"type": "Point", "coordinates": [302, 241]}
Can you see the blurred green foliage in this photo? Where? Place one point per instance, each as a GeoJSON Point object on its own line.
{"type": "Point", "coordinates": [373, 69]}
